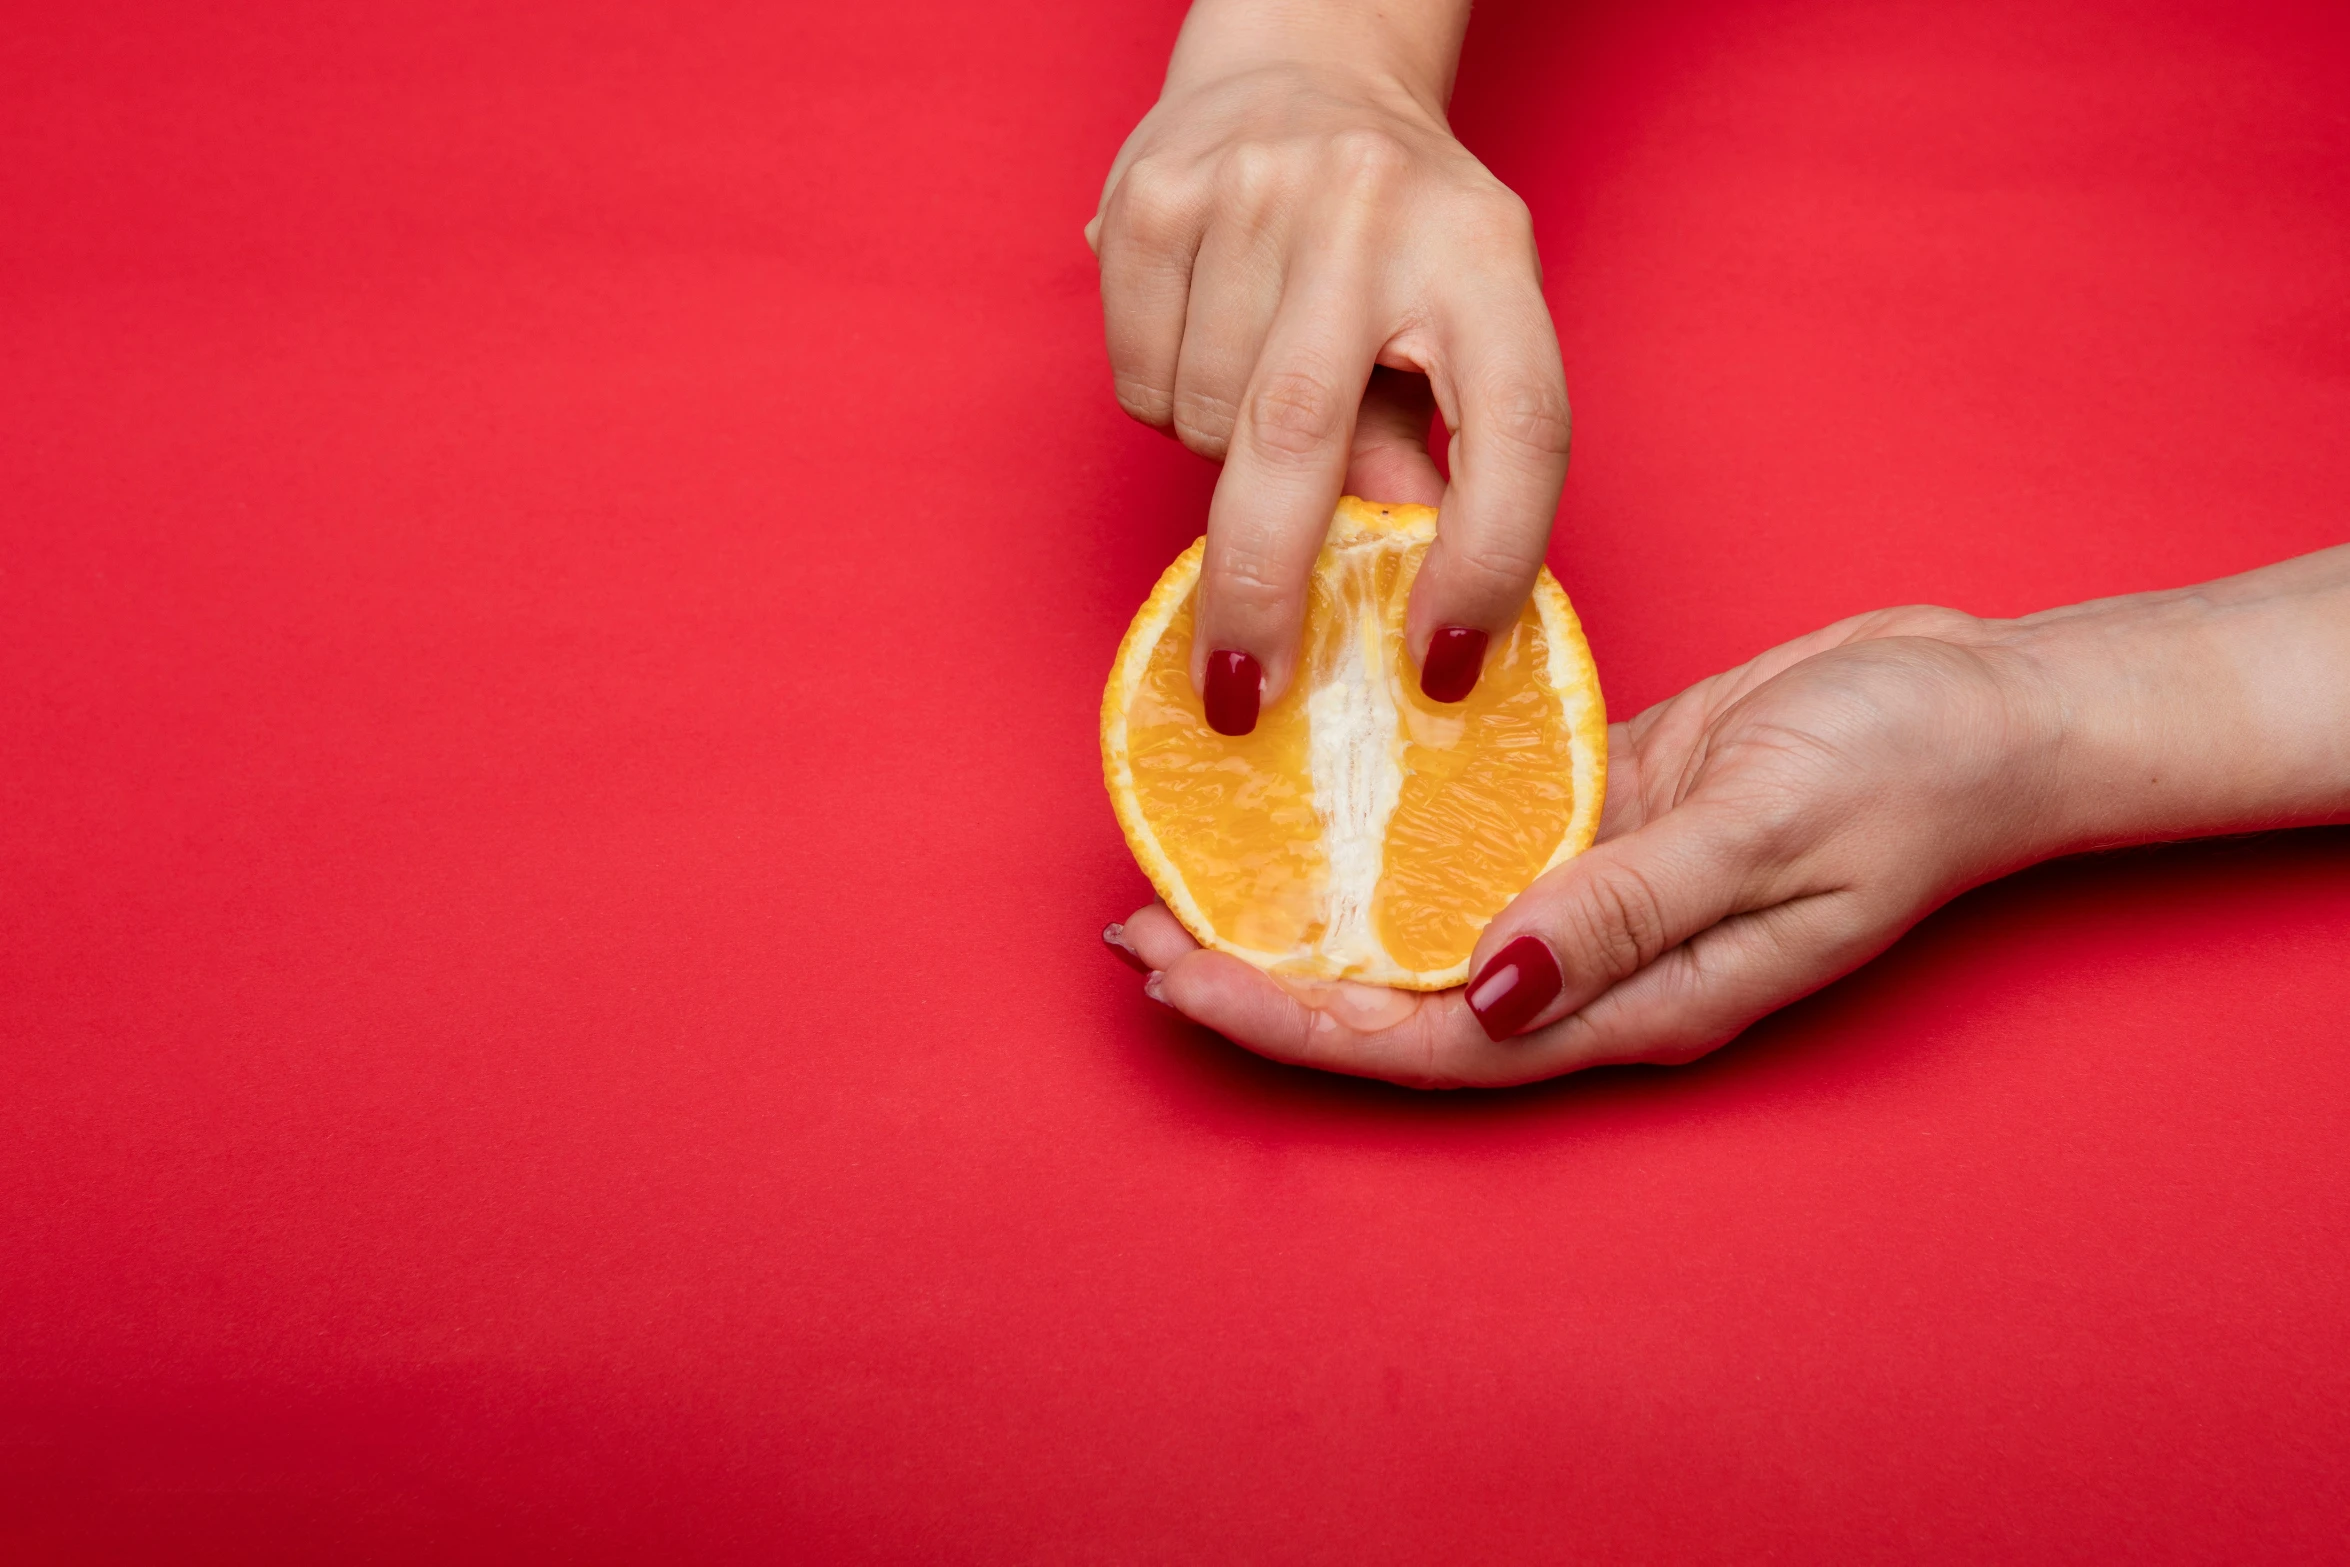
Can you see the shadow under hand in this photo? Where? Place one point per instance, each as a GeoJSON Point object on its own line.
{"type": "Point", "coordinates": [1994, 949]}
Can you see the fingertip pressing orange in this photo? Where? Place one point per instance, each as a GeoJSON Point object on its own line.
{"type": "Point", "coordinates": [1360, 831]}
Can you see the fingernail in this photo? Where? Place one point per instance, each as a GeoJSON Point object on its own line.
{"type": "Point", "coordinates": [1155, 987]}
{"type": "Point", "coordinates": [1114, 937]}
{"type": "Point", "coordinates": [1449, 672]}
{"type": "Point", "coordinates": [1234, 679]}
{"type": "Point", "coordinates": [1521, 980]}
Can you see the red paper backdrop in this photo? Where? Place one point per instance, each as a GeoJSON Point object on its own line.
{"type": "Point", "coordinates": [558, 561]}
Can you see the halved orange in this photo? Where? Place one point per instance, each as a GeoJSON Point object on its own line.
{"type": "Point", "coordinates": [1360, 831]}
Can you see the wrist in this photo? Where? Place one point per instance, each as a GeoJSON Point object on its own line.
{"type": "Point", "coordinates": [2094, 685]}
{"type": "Point", "coordinates": [1388, 50]}
{"type": "Point", "coordinates": [2222, 708]}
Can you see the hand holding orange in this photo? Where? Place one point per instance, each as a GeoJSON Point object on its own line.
{"type": "Point", "coordinates": [1361, 830]}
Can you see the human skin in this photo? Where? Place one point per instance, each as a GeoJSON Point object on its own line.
{"type": "Point", "coordinates": [1776, 826]}
{"type": "Point", "coordinates": [1299, 264]}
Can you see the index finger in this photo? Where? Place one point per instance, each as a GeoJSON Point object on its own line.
{"type": "Point", "coordinates": [1283, 469]}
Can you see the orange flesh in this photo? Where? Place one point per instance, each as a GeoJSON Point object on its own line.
{"type": "Point", "coordinates": [1487, 793]}
{"type": "Point", "coordinates": [1235, 814]}
{"type": "Point", "coordinates": [1487, 789]}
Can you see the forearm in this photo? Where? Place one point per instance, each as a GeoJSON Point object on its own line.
{"type": "Point", "coordinates": [2219, 708]}
{"type": "Point", "coordinates": [1414, 43]}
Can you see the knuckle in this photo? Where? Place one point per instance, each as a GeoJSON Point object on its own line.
{"type": "Point", "coordinates": [1621, 920]}
{"type": "Point", "coordinates": [1492, 571]}
{"type": "Point", "coordinates": [1293, 413]}
{"type": "Point", "coordinates": [1371, 159]}
{"type": "Point", "coordinates": [1253, 579]}
{"type": "Point", "coordinates": [1155, 205]}
{"type": "Point", "coordinates": [1251, 176]}
{"type": "Point", "coordinates": [1781, 827]}
{"type": "Point", "coordinates": [1926, 620]}
{"type": "Point", "coordinates": [1203, 420]}
{"type": "Point", "coordinates": [1531, 419]}
{"type": "Point", "coordinates": [1778, 830]}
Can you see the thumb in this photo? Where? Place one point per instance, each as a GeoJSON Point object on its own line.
{"type": "Point", "coordinates": [1610, 912]}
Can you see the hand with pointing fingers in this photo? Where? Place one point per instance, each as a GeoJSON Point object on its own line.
{"type": "Point", "coordinates": [1300, 264]}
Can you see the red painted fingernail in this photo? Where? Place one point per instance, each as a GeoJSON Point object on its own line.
{"type": "Point", "coordinates": [1234, 681]}
{"type": "Point", "coordinates": [1114, 938]}
{"type": "Point", "coordinates": [1449, 672]}
{"type": "Point", "coordinates": [1520, 981]}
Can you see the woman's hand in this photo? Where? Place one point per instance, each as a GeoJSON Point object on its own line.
{"type": "Point", "coordinates": [1776, 826]}
{"type": "Point", "coordinates": [1293, 213]}
{"type": "Point", "coordinates": [1765, 831]}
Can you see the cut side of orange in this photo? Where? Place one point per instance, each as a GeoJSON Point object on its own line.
{"type": "Point", "coordinates": [1360, 831]}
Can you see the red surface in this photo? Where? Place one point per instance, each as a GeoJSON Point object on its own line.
{"type": "Point", "coordinates": [557, 567]}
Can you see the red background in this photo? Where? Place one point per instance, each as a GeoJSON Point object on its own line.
{"type": "Point", "coordinates": [558, 563]}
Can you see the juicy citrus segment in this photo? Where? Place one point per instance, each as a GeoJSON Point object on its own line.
{"type": "Point", "coordinates": [1234, 814]}
{"type": "Point", "coordinates": [1486, 801]}
{"type": "Point", "coordinates": [1361, 831]}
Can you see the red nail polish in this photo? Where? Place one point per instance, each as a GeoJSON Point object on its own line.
{"type": "Point", "coordinates": [1114, 938]}
{"type": "Point", "coordinates": [1449, 672]}
{"type": "Point", "coordinates": [1521, 980]}
{"type": "Point", "coordinates": [1234, 682]}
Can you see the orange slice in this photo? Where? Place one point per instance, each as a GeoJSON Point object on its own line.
{"type": "Point", "coordinates": [1360, 831]}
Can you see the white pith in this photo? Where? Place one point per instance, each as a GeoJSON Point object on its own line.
{"type": "Point", "coordinates": [1354, 749]}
